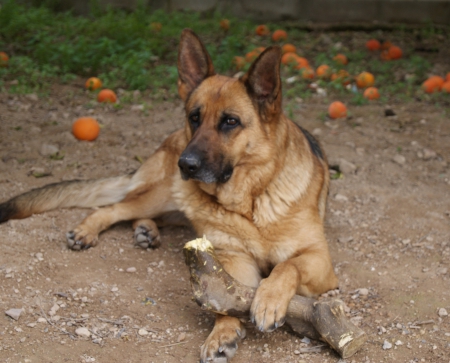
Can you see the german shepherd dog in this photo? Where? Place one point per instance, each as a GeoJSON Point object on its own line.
{"type": "Point", "coordinates": [242, 173]}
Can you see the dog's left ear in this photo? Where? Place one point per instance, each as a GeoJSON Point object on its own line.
{"type": "Point", "coordinates": [194, 63]}
{"type": "Point", "coordinates": [263, 82]}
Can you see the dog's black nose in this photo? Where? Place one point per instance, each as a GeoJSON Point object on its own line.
{"type": "Point", "coordinates": [189, 164]}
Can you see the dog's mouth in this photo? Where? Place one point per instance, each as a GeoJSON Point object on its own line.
{"type": "Point", "coordinates": [195, 168]}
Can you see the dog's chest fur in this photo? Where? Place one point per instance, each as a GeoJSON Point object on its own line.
{"type": "Point", "coordinates": [233, 218]}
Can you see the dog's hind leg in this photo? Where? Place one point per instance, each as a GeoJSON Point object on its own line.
{"type": "Point", "coordinates": [150, 204]}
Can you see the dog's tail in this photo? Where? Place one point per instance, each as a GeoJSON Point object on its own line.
{"type": "Point", "coordinates": [74, 193]}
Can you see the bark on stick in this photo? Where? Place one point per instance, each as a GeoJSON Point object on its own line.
{"type": "Point", "coordinates": [215, 290]}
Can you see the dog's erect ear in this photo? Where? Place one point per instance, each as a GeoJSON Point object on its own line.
{"type": "Point", "coordinates": [194, 63]}
{"type": "Point", "coordinates": [263, 82]}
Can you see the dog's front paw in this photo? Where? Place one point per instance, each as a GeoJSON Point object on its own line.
{"type": "Point", "coordinates": [221, 344]}
{"type": "Point", "coordinates": [81, 239]}
{"type": "Point", "coordinates": [268, 310]}
{"type": "Point", "coordinates": [146, 238]}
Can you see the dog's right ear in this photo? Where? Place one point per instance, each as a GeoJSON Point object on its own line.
{"type": "Point", "coordinates": [194, 63]}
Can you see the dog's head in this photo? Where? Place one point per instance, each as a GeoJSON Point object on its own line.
{"type": "Point", "coordinates": [227, 119]}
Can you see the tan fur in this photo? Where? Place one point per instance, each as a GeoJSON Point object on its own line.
{"type": "Point", "coordinates": [265, 222]}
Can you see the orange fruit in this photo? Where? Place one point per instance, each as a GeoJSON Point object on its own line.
{"type": "Point", "coordinates": [155, 26]}
{"type": "Point", "coordinates": [106, 95]}
{"type": "Point", "coordinates": [225, 24]}
{"type": "Point", "coordinates": [252, 55]}
{"type": "Point", "coordinates": [238, 62]}
{"type": "Point", "coordinates": [365, 79]}
{"type": "Point", "coordinates": [93, 83]}
{"type": "Point", "coordinates": [385, 55]}
{"type": "Point", "coordinates": [4, 59]}
{"type": "Point", "coordinates": [262, 30]}
{"type": "Point", "coordinates": [395, 52]}
{"type": "Point", "coordinates": [433, 84]}
{"type": "Point", "coordinates": [307, 72]}
{"type": "Point", "coordinates": [337, 110]}
{"type": "Point", "coordinates": [301, 63]}
{"type": "Point", "coordinates": [289, 58]}
{"type": "Point", "coordinates": [446, 87]}
{"type": "Point", "coordinates": [373, 44]}
{"type": "Point", "coordinates": [323, 71]}
{"type": "Point", "coordinates": [279, 35]}
{"type": "Point", "coordinates": [86, 128]}
{"type": "Point", "coordinates": [288, 48]}
{"type": "Point", "coordinates": [341, 76]}
{"type": "Point", "coordinates": [386, 45]}
{"type": "Point", "coordinates": [371, 93]}
{"type": "Point", "coordinates": [447, 77]}
{"type": "Point", "coordinates": [340, 59]}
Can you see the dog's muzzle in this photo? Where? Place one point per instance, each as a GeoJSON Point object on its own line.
{"type": "Point", "coordinates": [193, 166]}
{"type": "Point", "coordinates": [189, 165]}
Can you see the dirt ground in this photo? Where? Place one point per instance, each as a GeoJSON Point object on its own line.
{"type": "Point", "coordinates": [388, 226]}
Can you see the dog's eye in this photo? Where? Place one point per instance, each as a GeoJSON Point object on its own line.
{"type": "Point", "coordinates": [194, 120]}
{"type": "Point", "coordinates": [229, 123]}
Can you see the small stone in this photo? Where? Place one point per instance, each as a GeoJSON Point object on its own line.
{"type": "Point", "coordinates": [83, 332]}
{"type": "Point", "coordinates": [341, 198]}
{"type": "Point", "coordinates": [137, 108]}
{"type": "Point", "coordinates": [346, 167]}
{"type": "Point", "coordinates": [142, 332]}
{"type": "Point", "coordinates": [387, 345]}
{"type": "Point", "coordinates": [39, 256]}
{"type": "Point", "coordinates": [48, 149]}
{"type": "Point", "coordinates": [296, 352]}
{"type": "Point", "coordinates": [381, 330]}
{"type": "Point", "coordinates": [363, 291]}
{"type": "Point", "coordinates": [32, 97]}
{"type": "Point", "coordinates": [181, 337]}
{"type": "Point", "coordinates": [56, 318]}
{"type": "Point", "coordinates": [42, 320]}
{"type": "Point", "coordinates": [306, 340]}
{"type": "Point", "coordinates": [31, 325]}
{"type": "Point", "coordinates": [114, 289]}
{"type": "Point", "coordinates": [399, 159]}
{"type": "Point", "coordinates": [398, 342]}
{"type": "Point", "coordinates": [442, 270]}
{"type": "Point", "coordinates": [406, 241]}
{"type": "Point", "coordinates": [429, 154]}
{"type": "Point", "coordinates": [345, 239]}
{"type": "Point", "coordinates": [131, 269]}
{"type": "Point", "coordinates": [317, 132]}
{"type": "Point", "coordinates": [14, 313]}
{"type": "Point", "coordinates": [356, 320]}
{"type": "Point", "coordinates": [291, 79]}
{"type": "Point", "coordinates": [442, 312]}
{"type": "Point", "coordinates": [399, 326]}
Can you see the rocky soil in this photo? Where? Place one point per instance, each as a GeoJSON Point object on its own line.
{"type": "Point", "coordinates": [388, 225]}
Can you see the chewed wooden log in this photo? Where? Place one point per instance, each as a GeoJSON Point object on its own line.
{"type": "Point", "coordinates": [215, 290]}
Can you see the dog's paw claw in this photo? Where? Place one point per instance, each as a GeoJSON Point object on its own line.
{"type": "Point", "coordinates": [222, 344]}
{"type": "Point", "coordinates": [145, 238]}
{"type": "Point", "coordinates": [78, 241]}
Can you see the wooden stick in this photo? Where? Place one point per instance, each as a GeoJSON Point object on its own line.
{"type": "Point", "coordinates": [215, 290]}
